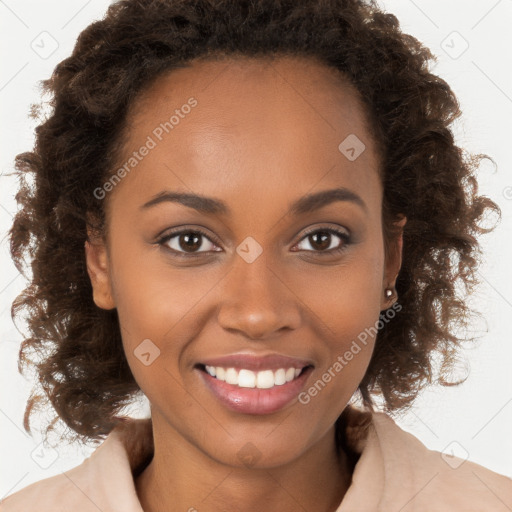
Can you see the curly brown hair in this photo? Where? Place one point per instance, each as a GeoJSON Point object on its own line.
{"type": "Point", "coordinates": [81, 365]}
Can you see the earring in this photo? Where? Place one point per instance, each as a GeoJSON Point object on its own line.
{"type": "Point", "coordinates": [389, 293]}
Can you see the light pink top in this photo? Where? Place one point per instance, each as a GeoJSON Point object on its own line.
{"type": "Point", "coordinates": [395, 472]}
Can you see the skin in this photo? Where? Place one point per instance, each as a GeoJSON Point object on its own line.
{"type": "Point", "coordinates": [263, 135]}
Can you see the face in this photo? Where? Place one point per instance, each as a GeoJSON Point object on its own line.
{"type": "Point", "coordinates": [248, 275]}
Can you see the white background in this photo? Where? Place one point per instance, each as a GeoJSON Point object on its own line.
{"type": "Point", "coordinates": [473, 420]}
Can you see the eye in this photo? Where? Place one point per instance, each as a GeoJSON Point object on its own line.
{"type": "Point", "coordinates": [186, 242]}
{"type": "Point", "coordinates": [322, 239]}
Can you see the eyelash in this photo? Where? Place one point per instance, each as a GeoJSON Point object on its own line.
{"type": "Point", "coordinates": [162, 241]}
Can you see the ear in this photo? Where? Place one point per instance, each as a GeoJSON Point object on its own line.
{"type": "Point", "coordinates": [96, 257]}
{"type": "Point", "coordinates": [393, 264]}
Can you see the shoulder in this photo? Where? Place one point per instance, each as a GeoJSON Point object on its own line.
{"type": "Point", "coordinates": [103, 481]}
{"type": "Point", "coordinates": [435, 480]}
{"type": "Point", "coordinates": [59, 493]}
{"type": "Point", "coordinates": [56, 493]}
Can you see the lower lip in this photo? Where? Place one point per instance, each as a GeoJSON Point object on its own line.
{"type": "Point", "coordinates": [255, 400]}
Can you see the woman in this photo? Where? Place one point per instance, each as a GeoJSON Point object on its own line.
{"type": "Point", "coordinates": [255, 214]}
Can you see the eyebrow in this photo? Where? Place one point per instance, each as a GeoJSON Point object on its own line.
{"type": "Point", "coordinates": [306, 204]}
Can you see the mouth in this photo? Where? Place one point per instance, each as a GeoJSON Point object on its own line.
{"type": "Point", "coordinates": [245, 378]}
{"type": "Point", "coordinates": [254, 385]}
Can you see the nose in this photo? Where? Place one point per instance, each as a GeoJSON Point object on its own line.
{"type": "Point", "coordinates": [258, 300]}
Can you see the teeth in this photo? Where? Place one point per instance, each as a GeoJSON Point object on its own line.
{"type": "Point", "coordinates": [280, 377]}
{"type": "Point", "coordinates": [231, 376]}
{"type": "Point", "coordinates": [264, 379]}
{"type": "Point", "coordinates": [247, 379]}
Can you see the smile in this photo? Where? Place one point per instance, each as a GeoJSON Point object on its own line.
{"type": "Point", "coordinates": [245, 378]}
{"type": "Point", "coordinates": [257, 391]}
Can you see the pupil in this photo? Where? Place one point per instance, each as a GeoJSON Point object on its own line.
{"type": "Point", "coordinates": [187, 237]}
{"type": "Point", "coordinates": [324, 235]}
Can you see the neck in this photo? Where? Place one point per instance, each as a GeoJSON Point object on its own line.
{"type": "Point", "coordinates": [181, 477]}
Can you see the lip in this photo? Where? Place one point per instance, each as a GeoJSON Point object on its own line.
{"type": "Point", "coordinates": [254, 400]}
{"type": "Point", "coordinates": [257, 362]}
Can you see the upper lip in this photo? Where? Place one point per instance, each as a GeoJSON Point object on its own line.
{"type": "Point", "coordinates": [257, 362]}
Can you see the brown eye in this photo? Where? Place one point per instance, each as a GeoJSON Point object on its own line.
{"type": "Point", "coordinates": [324, 240]}
{"type": "Point", "coordinates": [188, 242]}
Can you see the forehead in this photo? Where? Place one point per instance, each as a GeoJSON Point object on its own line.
{"type": "Point", "coordinates": [259, 127]}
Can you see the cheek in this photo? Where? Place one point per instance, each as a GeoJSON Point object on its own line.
{"type": "Point", "coordinates": [345, 307]}
{"type": "Point", "coordinates": [348, 309]}
{"type": "Point", "coordinates": [344, 299]}
{"type": "Point", "coordinates": [158, 303]}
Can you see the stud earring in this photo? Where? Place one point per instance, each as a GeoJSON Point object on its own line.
{"type": "Point", "coordinates": [389, 293]}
